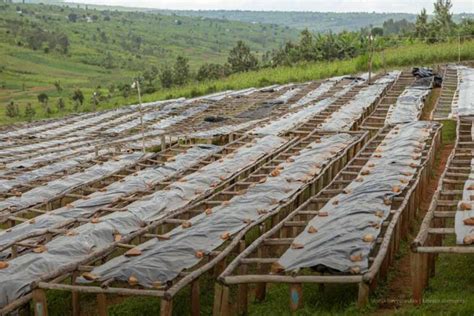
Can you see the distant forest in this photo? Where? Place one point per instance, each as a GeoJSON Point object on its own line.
{"type": "Point", "coordinates": [314, 21]}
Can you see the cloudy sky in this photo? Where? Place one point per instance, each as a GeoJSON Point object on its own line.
{"type": "Point", "coordinates": [409, 6]}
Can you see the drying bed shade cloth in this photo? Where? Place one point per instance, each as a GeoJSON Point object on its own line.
{"type": "Point", "coordinates": [465, 91]}
{"type": "Point", "coordinates": [344, 118]}
{"type": "Point", "coordinates": [147, 117]}
{"type": "Point", "coordinates": [34, 153]}
{"type": "Point", "coordinates": [57, 187]}
{"type": "Point", "coordinates": [291, 120]}
{"type": "Point", "coordinates": [409, 104]}
{"type": "Point", "coordinates": [48, 170]}
{"type": "Point", "coordinates": [141, 181]}
{"type": "Point", "coordinates": [162, 260]}
{"type": "Point", "coordinates": [77, 126]}
{"type": "Point", "coordinates": [53, 156]}
{"type": "Point", "coordinates": [342, 240]}
{"type": "Point", "coordinates": [28, 149]}
{"type": "Point", "coordinates": [63, 250]}
{"type": "Point", "coordinates": [464, 218]}
{"type": "Point", "coordinates": [314, 94]}
{"type": "Point", "coordinates": [50, 125]}
{"type": "Point", "coordinates": [285, 97]}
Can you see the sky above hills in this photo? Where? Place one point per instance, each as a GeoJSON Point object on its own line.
{"type": "Point", "coordinates": [408, 6]}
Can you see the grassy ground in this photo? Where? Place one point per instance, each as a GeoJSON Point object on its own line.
{"type": "Point", "coordinates": [416, 54]}
{"type": "Point", "coordinates": [111, 49]}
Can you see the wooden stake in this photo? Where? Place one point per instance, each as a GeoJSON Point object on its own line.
{"type": "Point", "coordinates": [195, 301]}
{"type": "Point", "coordinates": [40, 303]}
{"type": "Point", "coordinates": [417, 277]}
{"type": "Point", "coordinates": [102, 304]}
{"type": "Point", "coordinates": [363, 297]}
{"type": "Point", "coordinates": [296, 296]}
{"type": "Point", "coordinates": [166, 307]}
{"type": "Point", "coordinates": [76, 306]}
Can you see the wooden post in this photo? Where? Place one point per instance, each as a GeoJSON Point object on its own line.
{"type": "Point", "coordinates": [195, 301]}
{"type": "Point", "coordinates": [166, 307]}
{"type": "Point", "coordinates": [163, 142]}
{"type": "Point", "coordinates": [40, 303]}
{"type": "Point", "coordinates": [261, 288]}
{"type": "Point", "coordinates": [221, 301]}
{"type": "Point", "coordinates": [296, 296]}
{"type": "Point", "coordinates": [102, 304]}
{"type": "Point", "coordinates": [76, 306]}
{"type": "Point", "coordinates": [417, 277]}
{"type": "Point", "coordinates": [363, 297]}
{"type": "Point", "coordinates": [217, 299]}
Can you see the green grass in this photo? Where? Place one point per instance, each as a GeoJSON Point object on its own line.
{"type": "Point", "coordinates": [396, 58]}
{"type": "Point", "coordinates": [449, 132]}
{"type": "Point", "coordinates": [451, 291]}
{"type": "Point", "coordinates": [24, 73]}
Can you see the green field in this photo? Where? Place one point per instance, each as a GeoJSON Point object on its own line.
{"type": "Point", "coordinates": [80, 75]}
{"type": "Point", "coordinates": [108, 47]}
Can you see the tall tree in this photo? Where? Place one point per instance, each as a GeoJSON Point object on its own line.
{"type": "Point", "coordinates": [43, 99]}
{"type": "Point", "coordinates": [30, 112]}
{"type": "Point", "coordinates": [166, 77]}
{"type": "Point", "coordinates": [78, 98]}
{"type": "Point", "coordinates": [241, 59]}
{"type": "Point", "coordinates": [11, 110]}
{"type": "Point", "coordinates": [308, 50]}
{"type": "Point", "coordinates": [421, 25]}
{"type": "Point", "coordinates": [181, 71]}
{"type": "Point", "coordinates": [443, 18]}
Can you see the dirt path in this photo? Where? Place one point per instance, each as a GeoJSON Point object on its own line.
{"type": "Point", "coordinates": [398, 289]}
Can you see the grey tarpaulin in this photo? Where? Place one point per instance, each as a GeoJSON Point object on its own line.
{"type": "Point", "coordinates": [163, 260]}
{"type": "Point", "coordinates": [49, 125]}
{"type": "Point", "coordinates": [178, 118]}
{"type": "Point", "coordinates": [344, 118]}
{"type": "Point", "coordinates": [464, 229]}
{"type": "Point", "coordinates": [83, 208]}
{"type": "Point", "coordinates": [77, 126]}
{"type": "Point", "coordinates": [291, 120]}
{"type": "Point", "coordinates": [52, 156]}
{"type": "Point", "coordinates": [54, 188]}
{"type": "Point", "coordinates": [359, 211]}
{"type": "Point", "coordinates": [27, 149]}
{"type": "Point", "coordinates": [285, 97]}
{"type": "Point", "coordinates": [17, 278]}
{"type": "Point", "coordinates": [314, 94]}
{"type": "Point", "coordinates": [465, 91]}
{"type": "Point", "coordinates": [410, 103]}
{"type": "Point", "coordinates": [48, 170]}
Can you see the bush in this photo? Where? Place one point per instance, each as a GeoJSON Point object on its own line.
{"type": "Point", "coordinates": [30, 112]}
{"type": "Point", "coordinates": [12, 110]}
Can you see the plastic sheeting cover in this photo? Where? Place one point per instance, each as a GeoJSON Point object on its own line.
{"type": "Point", "coordinates": [17, 278]}
{"type": "Point", "coordinates": [291, 120]}
{"type": "Point", "coordinates": [464, 218]}
{"type": "Point", "coordinates": [465, 91]}
{"type": "Point", "coordinates": [48, 170]}
{"type": "Point", "coordinates": [344, 118]}
{"type": "Point", "coordinates": [54, 188]}
{"type": "Point", "coordinates": [83, 208]}
{"type": "Point", "coordinates": [163, 260]}
{"type": "Point", "coordinates": [346, 236]}
{"type": "Point", "coordinates": [410, 103]}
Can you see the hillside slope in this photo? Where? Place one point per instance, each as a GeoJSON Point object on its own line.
{"type": "Point", "coordinates": [41, 45]}
{"type": "Point", "coordinates": [315, 21]}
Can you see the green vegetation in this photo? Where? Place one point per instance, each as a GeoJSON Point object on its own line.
{"type": "Point", "coordinates": [85, 59]}
{"type": "Point", "coordinates": [55, 50]}
{"type": "Point", "coordinates": [315, 21]}
{"type": "Point", "coordinates": [416, 54]}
